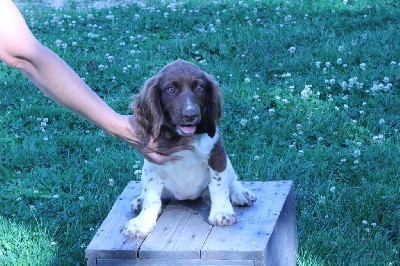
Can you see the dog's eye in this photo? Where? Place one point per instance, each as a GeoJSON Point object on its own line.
{"type": "Point", "coordinates": [199, 88]}
{"type": "Point", "coordinates": [171, 90]}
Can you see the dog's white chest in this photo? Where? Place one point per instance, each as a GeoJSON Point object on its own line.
{"type": "Point", "coordinates": [188, 177]}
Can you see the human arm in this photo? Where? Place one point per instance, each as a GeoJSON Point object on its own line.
{"type": "Point", "coordinates": [21, 50]}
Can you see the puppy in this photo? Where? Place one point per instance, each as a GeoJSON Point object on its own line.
{"type": "Point", "coordinates": [182, 100]}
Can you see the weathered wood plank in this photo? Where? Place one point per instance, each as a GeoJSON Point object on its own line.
{"type": "Point", "coordinates": [151, 262]}
{"type": "Point", "coordinates": [180, 232]}
{"type": "Point", "coordinates": [282, 247]}
{"type": "Point", "coordinates": [249, 238]}
{"type": "Point", "coordinates": [109, 241]}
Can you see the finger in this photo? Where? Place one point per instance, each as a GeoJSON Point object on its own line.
{"type": "Point", "coordinates": [174, 149]}
{"type": "Point", "coordinates": [158, 158]}
{"type": "Point", "coordinates": [170, 142]}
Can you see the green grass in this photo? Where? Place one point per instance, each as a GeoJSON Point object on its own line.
{"type": "Point", "coordinates": [22, 245]}
{"type": "Point", "coordinates": [339, 142]}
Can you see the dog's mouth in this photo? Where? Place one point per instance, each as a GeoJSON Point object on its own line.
{"type": "Point", "coordinates": [186, 130]}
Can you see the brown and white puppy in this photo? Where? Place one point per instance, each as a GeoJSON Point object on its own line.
{"type": "Point", "coordinates": [182, 100]}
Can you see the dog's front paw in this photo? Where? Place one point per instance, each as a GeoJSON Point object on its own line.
{"type": "Point", "coordinates": [243, 198]}
{"type": "Point", "coordinates": [222, 218]}
{"type": "Point", "coordinates": [137, 228]}
{"type": "Point", "coordinates": [136, 205]}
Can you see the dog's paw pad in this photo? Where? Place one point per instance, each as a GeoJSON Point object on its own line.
{"type": "Point", "coordinates": [136, 205]}
{"type": "Point", "coordinates": [243, 198]}
{"type": "Point", "coordinates": [134, 229]}
{"type": "Point", "coordinates": [222, 219]}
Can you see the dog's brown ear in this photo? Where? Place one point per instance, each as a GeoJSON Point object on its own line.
{"type": "Point", "coordinates": [147, 108]}
{"type": "Point", "coordinates": [213, 105]}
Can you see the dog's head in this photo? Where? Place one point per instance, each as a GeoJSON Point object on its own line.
{"type": "Point", "coordinates": [180, 97]}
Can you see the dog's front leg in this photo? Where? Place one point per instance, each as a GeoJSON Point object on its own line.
{"type": "Point", "coordinates": [221, 208]}
{"type": "Point", "coordinates": [142, 225]}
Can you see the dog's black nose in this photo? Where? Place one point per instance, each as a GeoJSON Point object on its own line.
{"type": "Point", "coordinates": [190, 115]}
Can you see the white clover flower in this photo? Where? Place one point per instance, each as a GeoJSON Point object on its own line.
{"type": "Point", "coordinates": [243, 122]}
{"type": "Point", "coordinates": [339, 61]}
{"type": "Point", "coordinates": [288, 18]}
{"type": "Point", "coordinates": [247, 80]}
{"type": "Point", "coordinates": [332, 189]}
{"type": "Point", "coordinates": [321, 200]}
{"type": "Point", "coordinates": [318, 64]}
{"type": "Point", "coordinates": [286, 75]}
{"type": "Point", "coordinates": [362, 66]}
{"type": "Point", "coordinates": [292, 50]}
{"type": "Point", "coordinates": [111, 182]}
{"type": "Point", "coordinates": [110, 17]}
{"type": "Point", "coordinates": [256, 158]}
{"type": "Point", "coordinates": [92, 35]}
{"type": "Point", "coordinates": [56, 196]}
{"type": "Point", "coordinates": [379, 139]}
{"type": "Point", "coordinates": [58, 42]}
{"type": "Point", "coordinates": [356, 153]}
{"type": "Point", "coordinates": [256, 117]}
{"type": "Point", "coordinates": [307, 92]}
{"type": "Point", "coordinates": [271, 111]}
{"type": "Point", "coordinates": [341, 48]}
{"type": "Point", "coordinates": [365, 222]}
{"type": "Point", "coordinates": [381, 121]}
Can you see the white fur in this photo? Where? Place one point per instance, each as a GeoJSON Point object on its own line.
{"type": "Point", "coordinates": [188, 178]}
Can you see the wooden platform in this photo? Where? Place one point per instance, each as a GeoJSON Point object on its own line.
{"type": "Point", "coordinates": [265, 234]}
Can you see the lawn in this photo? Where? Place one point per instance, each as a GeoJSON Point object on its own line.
{"type": "Point", "coordinates": [311, 93]}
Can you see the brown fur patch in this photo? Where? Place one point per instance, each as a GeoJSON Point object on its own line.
{"type": "Point", "coordinates": [218, 160]}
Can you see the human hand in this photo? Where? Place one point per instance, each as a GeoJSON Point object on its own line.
{"type": "Point", "coordinates": [157, 151]}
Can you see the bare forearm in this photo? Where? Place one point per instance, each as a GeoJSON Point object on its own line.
{"type": "Point", "coordinates": [60, 83]}
{"type": "Point", "coordinates": [20, 49]}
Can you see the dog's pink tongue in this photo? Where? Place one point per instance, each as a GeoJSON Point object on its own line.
{"type": "Point", "coordinates": [188, 130]}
